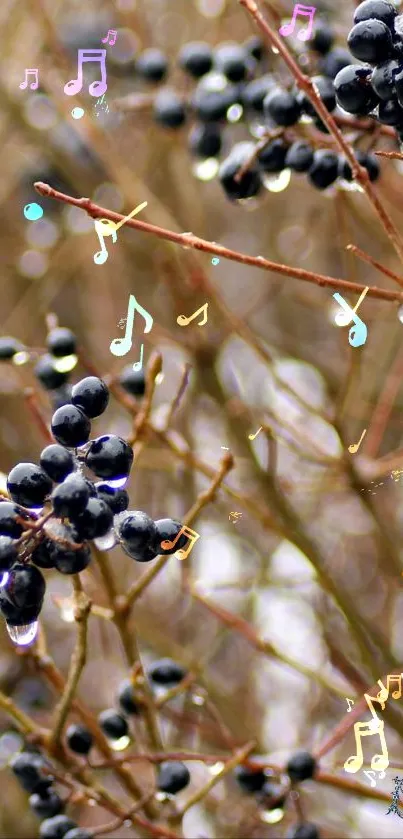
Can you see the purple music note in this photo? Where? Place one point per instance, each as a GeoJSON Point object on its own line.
{"type": "Point", "coordinates": [95, 88]}
{"type": "Point", "coordinates": [288, 28]}
{"type": "Point", "coordinates": [33, 85]}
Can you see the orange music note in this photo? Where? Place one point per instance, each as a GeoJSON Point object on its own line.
{"type": "Point", "coordinates": [183, 321]}
{"type": "Point", "coordinates": [354, 448]}
{"type": "Point", "coordinates": [166, 544]}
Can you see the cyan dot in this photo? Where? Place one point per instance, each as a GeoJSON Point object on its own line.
{"type": "Point", "coordinates": [33, 212]}
{"type": "Point", "coordinates": [77, 113]}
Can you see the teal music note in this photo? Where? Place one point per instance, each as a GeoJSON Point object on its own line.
{"type": "Point", "coordinates": [357, 334]}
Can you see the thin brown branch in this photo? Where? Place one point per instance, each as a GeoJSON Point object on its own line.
{"type": "Point", "coordinates": [393, 155]}
{"type": "Point", "coordinates": [374, 262]}
{"type": "Point", "coordinates": [82, 608]}
{"type": "Point", "coordinates": [190, 241]}
{"type": "Point", "coordinates": [200, 794]}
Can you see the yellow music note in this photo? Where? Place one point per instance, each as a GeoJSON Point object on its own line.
{"type": "Point", "coordinates": [252, 436]}
{"type": "Point", "coordinates": [183, 321]}
{"type": "Point", "coordinates": [354, 448]}
{"type": "Point", "coordinates": [109, 228]}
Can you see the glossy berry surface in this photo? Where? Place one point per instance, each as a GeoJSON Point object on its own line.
{"type": "Point", "coordinates": [299, 156]}
{"type": "Point", "coordinates": [127, 700]}
{"type": "Point", "coordinates": [382, 79]}
{"type": "Point", "coordinates": [28, 485]}
{"type": "Point", "coordinates": [166, 672]}
{"type": "Point", "coordinates": [47, 374]}
{"type": "Point", "coordinates": [254, 93]}
{"type": "Point", "coordinates": [136, 530]}
{"type": "Point", "coordinates": [353, 90]}
{"type": "Point", "coordinates": [8, 552]}
{"type": "Point", "coordinates": [250, 182]}
{"type": "Point", "coordinates": [301, 766]}
{"type": "Point", "coordinates": [70, 426]}
{"type": "Point", "coordinates": [272, 157]}
{"type": "Point", "coordinates": [168, 529]}
{"type": "Point", "coordinates": [334, 61]}
{"type": "Point", "coordinates": [46, 804]}
{"type": "Point", "coordinates": [169, 109]}
{"type": "Point", "coordinates": [94, 521]}
{"type": "Point", "coordinates": [109, 457]}
{"type": "Point", "coordinates": [273, 795]}
{"type": "Point", "coordinates": [25, 586]}
{"type": "Point", "coordinates": [323, 38]}
{"type": "Point", "coordinates": [57, 462]}
{"type": "Point", "coordinates": [9, 347]}
{"type": "Point", "coordinates": [250, 780]}
{"type": "Point", "coordinates": [152, 65]}
{"type": "Point", "coordinates": [378, 9]}
{"type": "Point", "coordinates": [205, 140]}
{"type": "Point", "coordinates": [282, 107]}
{"type": "Point", "coordinates": [28, 767]}
{"type": "Point", "coordinates": [369, 161]}
{"type": "Point", "coordinates": [9, 514]}
{"type": "Point", "coordinates": [133, 381]}
{"type": "Point", "coordinates": [116, 499]}
{"type": "Point", "coordinates": [324, 169]}
{"type": "Point", "coordinates": [196, 58]}
{"type": "Point", "coordinates": [91, 395]}
{"type": "Point", "coordinates": [70, 497]}
{"type": "Point", "coordinates": [79, 739]}
{"type": "Point", "coordinates": [61, 342]}
{"type": "Point", "coordinates": [113, 724]}
{"type": "Point", "coordinates": [56, 827]}
{"type": "Point", "coordinates": [232, 61]}
{"type": "Point", "coordinates": [41, 555]}
{"type": "Point", "coordinates": [70, 560]}
{"type": "Point", "coordinates": [211, 105]}
{"type": "Point", "coordinates": [173, 776]}
{"type": "Point", "coordinates": [371, 41]}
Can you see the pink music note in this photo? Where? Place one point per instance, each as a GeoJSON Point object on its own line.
{"type": "Point", "coordinates": [304, 34]}
{"type": "Point", "coordinates": [112, 32]}
{"type": "Point", "coordinates": [33, 85]}
{"type": "Point", "coordinates": [95, 88]}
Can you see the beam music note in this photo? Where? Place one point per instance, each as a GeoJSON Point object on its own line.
{"type": "Point", "coordinates": [364, 729]}
{"type": "Point", "coordinates": [95, 88]}
{"type": "Point", "coordinates": [304, 34]}
{"type": "Point", "coordinates": [112, 32]}
{"type": "Point", "coordinates": [33, 85]}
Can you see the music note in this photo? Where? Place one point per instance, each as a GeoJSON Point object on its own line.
{"type": "Point", "coordinates": [288, 28]}
{"type": "Point", "coordinates": [101, 256]}
{"type": "Point", "coordinates": [138, 364]}
{"type": "Point", "coordinates": [166, 544]}
{"type": "Point", "coordinates": [395, 677]}
{"type": "Point", "coordinates": [358, 333]}
{"type": "Point", "coordinates": [368, 773]}
{"type": "Point", "coordinates": [348, 701]}
{"type": "Point", "coordinates": [354, 448]}
{"type": "Point", "coordinates": [364, 729]}
{"type": "Point", "coordinates": [110, 228]}
{"type": "Point", "coordinates": [183, 321]}
{"type": "Point", "coordinates": [121, 346]}
{"type": "Point", "coordinates": [252, 436]}
{"type": "Point", "coordinates": [106, 41]}
{"type": "Point", "coordinates": [95, 88]}
{"type": "Point", "coordinates": [34, 84]}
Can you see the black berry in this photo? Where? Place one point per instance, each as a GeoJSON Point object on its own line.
{"type": "Point", "coordinates": [305, 830]}
{"type": "Point", "coordinates": [232, 61]}
{"type": "Point", "coordinates": [57, 462]}
{"type": "Point", "coordinates": [169, 109]}
{"type": "Point", "coordinates": [9, 347]}
{"type": "Point", "coordinates": [127, 699]}
{"type": "Point", "coordinates": [70, 426]}
{"type": "Point", "coordinates": [168, 529]}
{"type": "Point", "coordinates": [205, 140]}
{"type": "Point", "coordinates": [166, 672]}
{"type": "Point", "coordinates": [282, 107]}
{"type": "Point", "coordinates": [299, 156]}
{"type": "Point", "coordinates": [116, 499]}
{"type": "Point", "coordinates": [91, 395]}
{"type": "Point", "coordinates": [46, 804]}
{"type": "Point", "coordinates": [353, 90]}
{"type": "Point", "coordinates": [134, 382]}
{"type": "Point", "coordinates": [9, 513]}
{"type": "Point", "coordinates": [25, 586]}
{"type": "Point", "coordinates": [196, 58]}
{"type": "Point", "coordinates": [378, 9]}
{"type": "Point", "coordinates": [334, 61]}
{"type": "Point", "coordinates": [41, 555]}
{"type": "Point", "coordinates": [79, 739]}
{"type": "Point", "coordinates": [272, 157]}
{"type": "Point", "coordinates": [61, 342]}
{"type": "Point", "coordinates": [367, 160]}
{"type": "Point", "coordinates": [109, 457]}
{"type": "Point", "coordinates": [250, 780]}
{"type": "Point", "coordinates": [68, 560]}
{"type": "Point", "coordinates": [136, 530]}
{"type": "Point", "coordinates": [28, 485]}
{"type": "Point", "coordinates": [173, 776]}
{"type": "Point", "coordinates": [94, 521]}
{"type": "Point", "coordinates": [8, 552]}
{"type": "Point", "coordinates": [47, 374]}
{"type": "Point", "coordinates": [324, 169]}
{"type": "Point", "coordinates": [371, 41]}
{"type": "Point", "coordinates": [113, 724]}
{"type": "Point", "coordinates": [70, 497]}
{"type": "Point", "coordinates": [250, 183]}
{"type": "Point", "coordinates": [301, 766]}
{"type": "Point", "coordinates": [28, 768]}
{"type": "Point", "coordinates": [255, 92]}
{"type": "Point", "coordinates": [382, 79]}
{"type": "Point", "coordinates": [152, 65]}
{"type": "Point", "coordinates": [56, 828]}
{"type": "Point", "coordinates": [322, 39]}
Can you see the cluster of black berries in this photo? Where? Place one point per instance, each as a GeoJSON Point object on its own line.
{"type": "Point", "coordinates": [77, 509]}
{"type": "Point", "coordinates": [376, 87]}
{"type": "Point", "coordinates": [34, 772]}
{"type": "Point", "coordinates": [233, 84]}
{"type": "Point", "coordinates": [272, 796]}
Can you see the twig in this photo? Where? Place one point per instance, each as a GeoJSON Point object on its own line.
{"type": "Point", "coordinates": [81, 614]}
{"type": "Point", "coordinates": [190, 241]}
{"type": "Point", "coordinates": [238, 758]}
{"type": "Point", "coordinates": [393, 155]}
{"type": "Point", "coordinates": [374, 262]}
{"type": "Point", "coordinates": [304, 83]}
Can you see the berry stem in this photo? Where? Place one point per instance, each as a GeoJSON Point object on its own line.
{"type": "Point", "coordinates": [188, 240]}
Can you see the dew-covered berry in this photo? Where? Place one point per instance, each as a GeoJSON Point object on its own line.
{"type": "Point", "coordinates": [136, 531]}
{"type": "Point", "coordinates": [377, 9]}
{"type": "Point", "coordinates": [168, 529]}
{"type": "Point", "coordinates": [91, 395]}
{"type": "Point", "coordinates": [109, 457]}
{"type": "Point", "coordinates": [70, 560]}
{"type": "Point", "coordinates": [301, 766]}
{"type": "Point", "coordinates": [250, 184]}
{"type": "Point", "coordinates": [28, 484]}
{"type": "Point", "coordinates": [113, 724]}
{"type": "Point", "coordinates": [370, 40]}
{"type": "Point", "coordinates": [70, 426]}
{"type": "Point", "coordinates": [70, 497]}
{"type": "Point", "coordinates": [94, 520]}
{"type": "Point", "coordinates": [57, 462]}
{"type": "Point", "coordinates": [61, 342]}
{"type": "Point", "coordinates": [353, 89]}
{"type": "Point", "coordinates": [116, 499]}
{"type": "Point", "coordinates": [46, 804]}
{"type": "Point", "coordinates": [28, 767]}
{"type": "Point", "coordinates": [8, 552]}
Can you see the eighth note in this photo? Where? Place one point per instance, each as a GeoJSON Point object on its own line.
{"type": "Point", "coordinates": [252, 436]}
{"type": "Point", "coordinates": [112, 32]}
{"type": "Point", "coordinates": [357, 334]}
{"type": "Point", "coordinates": [354, 448]}
{"type": "Point", "coordinates": [167, 545]}
{"type": "Point", "coordinates": [183, 321]}
{"type": "Point", "coordinates": [95, 88]}
{"type": "Point", "coordinates": [121, 346]}
{"type": "Point", "coordinates": [348, 701]}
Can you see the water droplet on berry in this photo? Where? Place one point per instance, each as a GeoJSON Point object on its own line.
{"type": "Point", "coordinates": [400, 314]}
{"type": "Point", "coordinates": [272, 816]}
{"type": "Point", "coordinates": [234, 113]}
{"type": "Point", "coordinates": [206, 170]}
{"type": "Point", "coordinates": [117, 483]}
{"type": "Point", "coordinates": [20, 358]}
{"type": "Point", "coordinates": [23, 635]}
{"type": "Point", "coordinates": [277, 183]}
{"type": "Point", "coordinates": [119, 745]}
{"type": "Point", "coordinates": [105, 543]}
{"type": "Point", "coordinates": [65, 364]}
{"type": "Point", "coordinates": [4, 579]}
